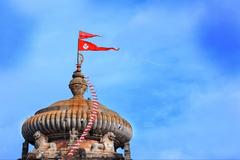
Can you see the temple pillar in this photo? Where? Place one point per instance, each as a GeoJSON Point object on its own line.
{"type": "Point", "coordinates": [127, 153]}
{"type": "Point", "coordinates": [24, 150]}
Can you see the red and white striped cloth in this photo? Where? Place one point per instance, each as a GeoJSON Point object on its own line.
{"type": "Point", "coordinates": [93, 117]}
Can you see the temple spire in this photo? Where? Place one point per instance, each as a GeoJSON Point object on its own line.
{"type": "Point", "coordinates": [78, 85]}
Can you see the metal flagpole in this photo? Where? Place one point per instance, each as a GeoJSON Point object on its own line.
{"type": "Point", "coordinates": [78, 62]}
{"type": "Point", "coordinates": [78, 57]}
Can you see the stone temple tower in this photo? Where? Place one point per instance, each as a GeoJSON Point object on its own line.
{"type": "Point", "coordinates": [52, 130]}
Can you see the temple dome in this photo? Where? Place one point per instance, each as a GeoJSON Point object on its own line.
{"type": "Point", "coordinates": [56, 120]}
{"type": "Point", "coordinates": [59, 118]}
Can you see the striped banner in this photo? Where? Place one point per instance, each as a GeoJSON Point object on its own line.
{"type": "Point", "coordinates": [93, 117]}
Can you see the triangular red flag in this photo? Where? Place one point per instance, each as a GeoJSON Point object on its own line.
{"type": "Point", "coordinates": [83, 35]}
{"type": "Point", "coordinates": [88, 46]}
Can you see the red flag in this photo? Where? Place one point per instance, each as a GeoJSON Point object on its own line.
{"type": "Point", "coordinates": [83, 35]}
{"type": "Point", "coordinates": [88, 46]}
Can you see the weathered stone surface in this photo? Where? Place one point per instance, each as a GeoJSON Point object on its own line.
{"type": "Point", "coordinates": [53, 130]}
{"type": "Point", "coordinates": [106, 144]}
{"type": "Point", "coordinates": [44, 149]}
{"type": "Point", "coordinates": [59, 118]}
{"type": "Point", "coordinates": [73, 136]}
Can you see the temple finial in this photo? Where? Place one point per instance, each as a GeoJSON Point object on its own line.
{"type": "Point", "coordinates": [78, 85]}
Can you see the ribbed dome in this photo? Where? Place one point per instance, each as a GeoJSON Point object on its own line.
{"type": "Point", "coordinates": [56, 120]}
{"type": "Point", "coordinates": [59, 118]}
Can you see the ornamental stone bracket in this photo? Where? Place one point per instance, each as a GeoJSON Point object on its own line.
{"type": "Point", "coordinates": [43, 149]}
{"type": "Point", "coordinates": [106, 144]}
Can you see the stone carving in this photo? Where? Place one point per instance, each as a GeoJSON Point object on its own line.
{"type": "Point", "coordinates": [73, 136]}
{"type": "Point", "coordinates": [106, 143]}
{"type": "Point", "coordinates": [44, 149]}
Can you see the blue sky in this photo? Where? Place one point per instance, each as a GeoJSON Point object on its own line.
{"type": "Point", "coordinates": [176, 78]}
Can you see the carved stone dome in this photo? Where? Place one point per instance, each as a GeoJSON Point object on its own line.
{"type": "Point", "coordinates": [59, 118]}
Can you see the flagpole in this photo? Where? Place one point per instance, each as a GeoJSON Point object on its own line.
{"type": "Point", "coordinates": [78, 61]}
{"type": "Point", "coordinates": [78, 58]}
{"type": "Point", "coordinates": [78, 64]}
